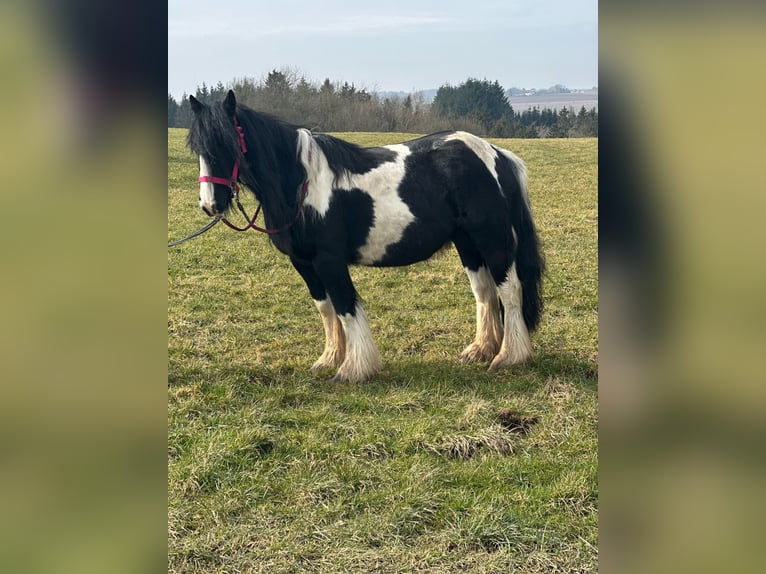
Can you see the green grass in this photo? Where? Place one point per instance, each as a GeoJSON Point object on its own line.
{"type": "Point", "coordinates": [274, 469]}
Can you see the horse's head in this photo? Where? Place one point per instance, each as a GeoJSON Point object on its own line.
{"type": "Point", "coordinates": [215, 136]}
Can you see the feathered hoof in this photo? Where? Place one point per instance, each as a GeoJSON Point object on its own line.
{"type": "Point", "coordinates": [327, 361]}
{"type": "Point", "coordinates": [477, 353]}
{"type": "Point", "coordinates": [506, 360]}
{"type": "Point", "coordinates": [320, 366]}
{"type": "Point", "coordinates": [350, 373]}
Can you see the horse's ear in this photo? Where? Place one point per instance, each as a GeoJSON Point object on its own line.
{"type": "Point", "coordinates": [230, 103]}
{"type": "Point", "coordinates": [196, 105]}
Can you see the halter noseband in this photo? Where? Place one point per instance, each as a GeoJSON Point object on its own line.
{"type": "Point", "coordinates": [234, 187]}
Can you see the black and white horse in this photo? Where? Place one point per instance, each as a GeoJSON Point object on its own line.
{"type": "Point", "coordinates": [336, 204]}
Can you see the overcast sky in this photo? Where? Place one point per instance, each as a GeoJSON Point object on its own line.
{"type": "Point", "coordinates": [393, 45]}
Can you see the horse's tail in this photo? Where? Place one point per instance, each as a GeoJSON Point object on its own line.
{"type": "Point", "coordinates": [529, 260]}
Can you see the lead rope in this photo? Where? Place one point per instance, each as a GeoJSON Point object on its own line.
{"type": "Point", "coordinates": [195, 234]}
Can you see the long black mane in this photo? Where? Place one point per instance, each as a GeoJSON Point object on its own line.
{"type": "Point", "coordinates": [212, 135]}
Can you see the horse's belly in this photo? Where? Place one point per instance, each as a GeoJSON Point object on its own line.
{"type": "Point", "coordinates": [416, 242]}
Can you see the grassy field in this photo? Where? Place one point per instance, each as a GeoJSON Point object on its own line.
{"type": "Point", "coordinates": [433, 466]}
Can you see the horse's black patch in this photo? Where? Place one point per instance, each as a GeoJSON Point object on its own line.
{"type": "Point", "coordinates": [347, 223]}
{"type": "Point", "coordinates": [345, 157]}
{"type": "Point", "coordinates": [424, 189]}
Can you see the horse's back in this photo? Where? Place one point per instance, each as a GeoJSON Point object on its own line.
{"type": "Point", "coordinates": [435, 185]}
{"type": "Point", "coordinates": [406, 201]}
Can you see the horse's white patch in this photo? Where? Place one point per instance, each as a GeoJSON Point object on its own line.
{"type": "Point", "coordinates": [489, 331]}
{"type": "Point", "coordinates": [391, 215]}
{"type": "Point", "coordinates": [484, 150]}
{"type": "Point", "coordinates": [335, 342]}
{"type": "Point", "coordinates": [517, 346]}
{"type": "Point", "coordinates": [206, 189]}
{"type": "Point", "coordinates": [319, 175]}
{"type": "Point", "coordinates": [362, 355]}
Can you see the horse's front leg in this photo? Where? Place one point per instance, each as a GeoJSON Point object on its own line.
{"type": "Point", "coordinates": [362, 359]}
{"type": "Point", "coordinates": [335, 342]}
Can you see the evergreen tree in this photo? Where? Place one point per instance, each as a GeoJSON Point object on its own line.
{"type": "Point", "coordinates": [183, 114]}
{"type": "Point", "coordinates": [563, 124]}
{"type": "Point", "coordinates": [172, 111]}
{"type": "Point", "coordinates": [593, 115]}
{"type": "Point", "coordinates": [277, 84]}
{"type": "Point", "coordinates": [218, 93]}
{"type": "Point", "coordinates": [548, 118]}
{"type": "Point", "coordinates": [347, 91]}
{"type": "Point", "coordinates": [481, 100]}
{"type": "Point", "coordinates": [203, 94]}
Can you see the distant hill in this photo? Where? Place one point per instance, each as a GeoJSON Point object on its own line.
{"type": "Point", "coordinates": [575, 99]}
{"type": "Point", "coordinates": [522, 99]}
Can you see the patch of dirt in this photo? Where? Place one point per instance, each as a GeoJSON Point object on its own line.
{"type": "Point", "coordinates": [512, 421]}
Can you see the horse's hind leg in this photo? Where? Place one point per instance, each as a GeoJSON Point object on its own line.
{"type": "Point", "coordinates": [489, 331]}
{"type": "Point", "coordinates": [335, 342]}
{"type": "Point", "coordinates": [362, 358]}
{"type": "Point", "coordinates": [516, 346]}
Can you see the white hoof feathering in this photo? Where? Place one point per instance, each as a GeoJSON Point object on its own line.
{"type": "Point", "coordinates": [335, 342]}
{"type": "Point", "coordinates": [489, 330]}
{"type": "Point", "coordinates": [362, 359]}
{"type": "Point", "coordinates": [517, 345]}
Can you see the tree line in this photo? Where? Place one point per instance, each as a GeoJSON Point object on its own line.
{"type": "Point", "coordinates": [477, 106]}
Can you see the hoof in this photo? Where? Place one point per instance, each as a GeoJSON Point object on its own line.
{"type": "Point", "coordinates": [327, 361]}
{"type": "Point", "coordinates": [349, 378]}
{"type": "Point", "coordinates": [349, 373]}
{"type": "Point", "coordinates": [499, 362]}
{"type": "Point", "coordinates": [505, 360]}
{"type": "Point", "coordinates": [476, 353]}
